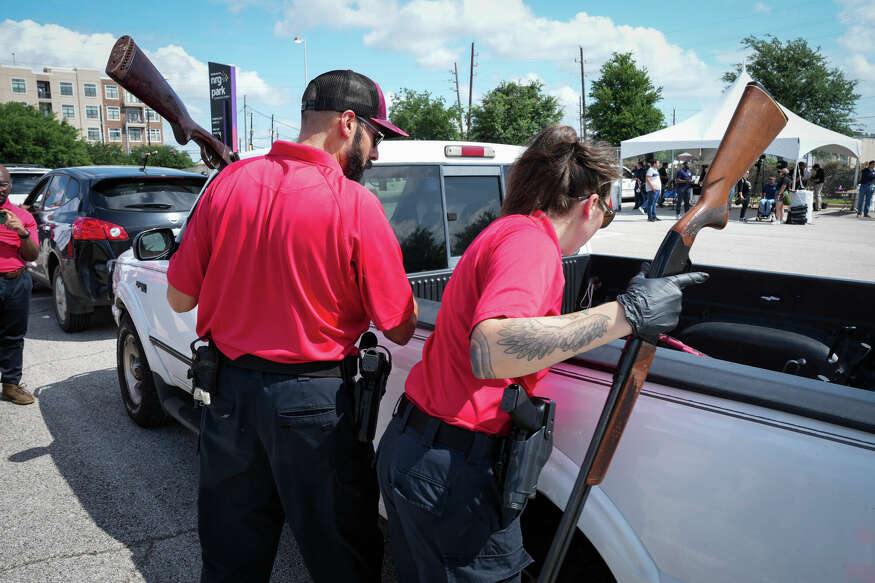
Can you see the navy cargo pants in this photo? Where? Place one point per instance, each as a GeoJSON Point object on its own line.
{"type": "Point", "coordinates": [446, 523]}
{"type": "Point", "coordinates": [14, 309]}
{"type": "Point", "coordinates": [275, 447]}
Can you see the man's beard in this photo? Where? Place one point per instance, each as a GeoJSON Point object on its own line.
{"type": "Point", "coordinates": [355, 161]}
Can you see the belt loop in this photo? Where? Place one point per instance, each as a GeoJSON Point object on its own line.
{"type": "Point", "coordinates": [430, 432]}
{"type": "Point", "coordinates": [480, 446]}
{"type": "Point", "coordinates": [405, 415]}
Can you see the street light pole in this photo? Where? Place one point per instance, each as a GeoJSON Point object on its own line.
{"type": "Point", "coordinates": [302, 41]}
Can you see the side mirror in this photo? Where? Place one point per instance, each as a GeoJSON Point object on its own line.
{"type": "Point", "coordinates": [154, 244]}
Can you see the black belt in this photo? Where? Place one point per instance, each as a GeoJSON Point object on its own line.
{"type": "Point", "coordinates": [317, 369]}
{"type": "Point", "coordinates": [447, 435]}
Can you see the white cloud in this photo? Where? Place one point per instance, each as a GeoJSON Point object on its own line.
{"type": "Point", "coordinates": [38, 45]}
{"type": "Point", "coordinates": [859, 16]}
{"type": "Point", "coordinates": [761, 8]}
{"type": "Point", "coordinates": [569, 99]}
{"type": "Point", "coordinates": [438, 32]}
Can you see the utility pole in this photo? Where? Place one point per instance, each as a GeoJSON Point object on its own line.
{"type": "Point", "coordinates": [470, 92]}
{"type": "Point", "coordinates": [251, 130]}
{"type": "Point", "coordinates": [673, 117]}
{"type": "Point", "coordinates": [582, 97]}
{"type": "Point", "coordinates": [244, 121]}
{"type": "Point", "coordinates": [271, 129]}
{"type": "Point", "coordinates": [458, 97]}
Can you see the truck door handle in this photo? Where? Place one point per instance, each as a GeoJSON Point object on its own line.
{"type": "Point", "coordinates": [142, 286]}
{"type": "Point", "coordinates": [770, 299]}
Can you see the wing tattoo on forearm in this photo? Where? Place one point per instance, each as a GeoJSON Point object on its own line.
{"type": "Point", "coordinates": [531, 339]}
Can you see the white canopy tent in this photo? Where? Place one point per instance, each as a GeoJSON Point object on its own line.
{"type": "Point", "coordinates": [705, 131]}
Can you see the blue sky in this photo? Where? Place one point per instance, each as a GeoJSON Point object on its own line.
{"type": "Point", "coordinates": [399, 43]}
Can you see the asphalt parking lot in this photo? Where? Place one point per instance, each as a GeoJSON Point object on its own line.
{"type": "Point", "coordinates": [87, 495]}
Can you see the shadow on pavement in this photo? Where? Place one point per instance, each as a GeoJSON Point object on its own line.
{"type": "Point", "coordinates": [44, 326]}
{"type": "Point", "coordinates": [137, 485]}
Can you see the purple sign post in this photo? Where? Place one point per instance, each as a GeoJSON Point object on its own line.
{"type": "Point", "coordinates": [223, 103]}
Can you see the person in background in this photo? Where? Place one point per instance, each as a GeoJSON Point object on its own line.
{"type": "Point", "coordinates": [639, 174]}
{"type": "Point", "coordinates": [743, 190]}
{"type": "Point", "coordinates": [802, 176]}
{"type": "Point", "coordinates": [782, 196]}
{"type": "Point", "coordinates": [867, 183]}
{"type": "Point", "coordinates": [663, 179]}
{"type": "Point", "coordinates": [654, 188]}
{"type": "Point", "coordinates": [18, 245]}
{"type": "Point", "coordinates": [683, 183]}
{"type": "Point", "coordinates": [817, 180]}
{"type": "Point", "coordinates": [770, 188]}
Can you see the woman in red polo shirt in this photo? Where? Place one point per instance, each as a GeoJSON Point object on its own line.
{"type": "Point", "coordinates": [500, 323]}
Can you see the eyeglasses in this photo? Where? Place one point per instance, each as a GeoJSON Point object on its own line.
{"type": "Point", "coordinates": [608, 211]}
{"type": "Point", "coordinates": [378, 135]}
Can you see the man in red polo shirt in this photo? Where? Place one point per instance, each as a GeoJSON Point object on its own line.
{"type": "Point", "coordinates": [17, 246]}
{"type": "Point", "coordinates": [289, 260]}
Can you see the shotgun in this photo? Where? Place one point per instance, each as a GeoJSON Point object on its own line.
{"type": "Point", "coordinates": [133, 70]}
{"type": "Point", "coordinates": [757, 121]}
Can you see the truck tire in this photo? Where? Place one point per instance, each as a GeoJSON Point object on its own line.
{"type": "Point", "coordinates": [68, 321]}
{"type": "Point", "coordinates": [135, 378]}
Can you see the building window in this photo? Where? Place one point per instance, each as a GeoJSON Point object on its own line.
{"type": "Point", "coordinates": [45, 109]}
{"type": "Point", "coordinates": [154, 135]}
{"type": "Point", "coordinates": [66, 89]}
{"type": "Point", "coordinates": [91, 112]}
{"type": "Point", "coordinates": [131, 98]}
{"type": "Point", "coordinates": [90, 89]}
{"type": "Point", "coordinates": [93, 134]}
{"type": "Point", "coordinates": [152, 115]}
{"type": "Point", "coordinates": [135, 134]}
{"type": "Point", "coordinates": [112, 113]}
{"type": "Point", "coordinates": [111, 91]}
{"type": "Point", "coordinates": [68, 111]}
{"type": "Point", "coordinates": [134, 116]}
{"type": "Point", "coordinates": [43, 90]}
{"type": "Point", "coordinates": [115, 134]}
{"type": "Point", "coordinates": [18, 86]}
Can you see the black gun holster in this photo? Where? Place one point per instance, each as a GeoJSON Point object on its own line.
{"type": "Point", "coordinates": [204, 370]}
{"type": "Point", "coordinates": [374, 364]}
{"type": "Point", "coordinates": [527, 446]}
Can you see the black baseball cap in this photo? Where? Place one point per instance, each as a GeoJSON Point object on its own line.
{"type": "Point", "coordinates": [345, 89]}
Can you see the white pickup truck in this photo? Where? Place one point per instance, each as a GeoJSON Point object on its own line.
{"type": "Point", "coordinates": [754, 464]}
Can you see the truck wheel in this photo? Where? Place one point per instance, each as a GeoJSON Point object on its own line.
{"type": "Point", "coordinates": [68, 321]}
{"type": "Point", "coordinates": [135, 378]}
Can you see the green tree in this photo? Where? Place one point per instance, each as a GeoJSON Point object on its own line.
{"type": "Point", "coordinates": [29, 137]}
{"type": "Point", "coordinates": [802, 80]}
{"type": "Point", "coordinates": [512, 113]}
{"type": "Point", "coordinates": [166, 156]}
{"type": "Point", "coordinates": [622, 103]}
{"type": "Point", "coordinates": [107, 154]}
{"type": "Point", "coordinates": [425, 117]}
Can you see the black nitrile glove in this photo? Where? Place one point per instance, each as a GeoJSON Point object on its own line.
{"type": "Point", "coordinates": [652, 306]}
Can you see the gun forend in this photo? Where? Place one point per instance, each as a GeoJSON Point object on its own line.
{"type": "Point", "coordinates": [133, 70]}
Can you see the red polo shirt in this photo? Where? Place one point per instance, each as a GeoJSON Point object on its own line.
{"type": "Point", "coordinates": [513, 269]}
{"type": "Point", "coordinates": [289, 260]}
{"type": "Point", "coordinates": [10, 242]}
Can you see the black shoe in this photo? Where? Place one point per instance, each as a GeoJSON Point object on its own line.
{"type": "Point", "coordinates": [656, 219]}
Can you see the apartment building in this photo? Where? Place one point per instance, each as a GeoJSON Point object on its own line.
{"type": "Point", "coordinates": [98, 107]}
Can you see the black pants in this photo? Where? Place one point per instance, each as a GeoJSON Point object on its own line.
{"type": "Point", "coordinates": [444, 507]}
{"type": "Point", "coordinates": [683, 195]}
{"type": "Point", "coordinates": [744, 204]}
{"type": "Point", "coordinates": [639, 196]}
{"type": "Point", "coordinates": [275, 447]}
{"type": "Point", "coordinates": [14, 309]}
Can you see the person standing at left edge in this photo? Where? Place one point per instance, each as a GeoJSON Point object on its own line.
{"type": "Point", "coordinates": [289, 259]}
{"type": "Point", "coordinates": [17, 246]}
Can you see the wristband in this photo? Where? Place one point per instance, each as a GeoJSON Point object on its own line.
{"type": "Point", "coordinates": [25, 236]}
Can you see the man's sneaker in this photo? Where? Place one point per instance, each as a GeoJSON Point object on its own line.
{"type": "Point", "coordinates": [677, 217]}
{"type": "Point", "coordinates": [16, 394]}
{"type": "Point", "coordinates": [868, 216]}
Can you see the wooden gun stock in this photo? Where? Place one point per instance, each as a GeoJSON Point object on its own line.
{"type": "Point", "coordinates": [133, 70]}
{"type": "Point", "coordinates": [757, 121]}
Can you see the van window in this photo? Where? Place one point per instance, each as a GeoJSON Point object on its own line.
{"type": "Point", "coordinates": [472, 203]}
{"type": "Point", "coordinates": [411, 198]}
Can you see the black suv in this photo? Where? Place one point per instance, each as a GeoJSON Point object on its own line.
{"type": "Point", "coordinates": [88, 215]}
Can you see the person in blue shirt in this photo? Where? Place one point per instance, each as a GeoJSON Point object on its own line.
{"type": "Point", "coordinates": [770, 188]}
{"type": "Point", "coordinates": [683, 181]}
{"type": "Point", "coordinates": [867, 184]}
